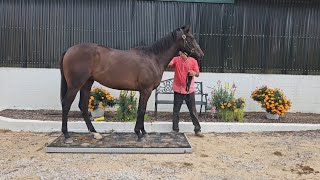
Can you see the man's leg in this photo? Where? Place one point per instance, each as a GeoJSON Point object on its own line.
{"type": "Point", "coordinates": [190, 100]}
{"type": "Point", "coordinates": [177, 102]}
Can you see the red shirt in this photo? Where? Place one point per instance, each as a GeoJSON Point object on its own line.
{"type": "Point", "coordinates": [181, 69]}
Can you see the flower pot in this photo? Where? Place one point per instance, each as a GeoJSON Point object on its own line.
{"type": "Point", "coordinates": [97, 113]}
{"type": "Point", "coordinates": [272, 116]}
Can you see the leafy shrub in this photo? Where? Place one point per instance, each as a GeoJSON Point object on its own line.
{"type": "Point", "coordinates": [127, 106]}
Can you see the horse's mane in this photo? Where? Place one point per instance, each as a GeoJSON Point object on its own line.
{"type": "Point", "coordinates": [160, 45]}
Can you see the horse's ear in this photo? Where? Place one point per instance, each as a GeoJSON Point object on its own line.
{"type": "Point", "coordinates": [187, 28]}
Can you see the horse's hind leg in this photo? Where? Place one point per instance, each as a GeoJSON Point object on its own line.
{"type": "Point", "coordinates": [66, 104]}
{"type": "Point", "coordinates": [83, 105]}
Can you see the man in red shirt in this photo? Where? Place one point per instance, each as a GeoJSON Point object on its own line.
{"type": "Point", "coordinates": [184, 66]}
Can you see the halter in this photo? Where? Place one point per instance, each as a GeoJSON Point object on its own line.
{"type": "Point", "coordinates": [186, 43]}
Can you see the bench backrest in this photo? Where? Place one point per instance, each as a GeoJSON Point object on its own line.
{"type": "Point", "coordinates": [165, 87]}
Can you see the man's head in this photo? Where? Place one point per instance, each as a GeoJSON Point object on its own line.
{"type": "Point", "coordinates": [183, 55]}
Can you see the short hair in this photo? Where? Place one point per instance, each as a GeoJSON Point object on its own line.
{"type": "Point", "coordinates": [184, 52]}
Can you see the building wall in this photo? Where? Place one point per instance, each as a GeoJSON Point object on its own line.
{"type": "Point", "coordinates": [37, 88]}
{"type": "Point", "coordinates": [248, 36]}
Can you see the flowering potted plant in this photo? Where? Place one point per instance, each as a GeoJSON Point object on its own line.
{"type": "Point", "coordinates": [223, 101]}
{"type": "Point", "coordinates": [99, 100]}
{"type": "Point", "coordinates": [272, 100]}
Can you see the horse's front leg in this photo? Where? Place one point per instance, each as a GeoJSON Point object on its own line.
{"type": "Point", "coordinates": [143, 100]}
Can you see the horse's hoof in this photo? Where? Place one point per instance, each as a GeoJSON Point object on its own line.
{"type": "Point", "coordinates": [142, 139]}
{"type": "Point", "coordinates": [140, 136]}
{"type": "Point", "coordinates": [68, 141]}
{"type": "Point", "coordinates": [145, 135]}
{"type": "Point", "coordinates": [97, 136]}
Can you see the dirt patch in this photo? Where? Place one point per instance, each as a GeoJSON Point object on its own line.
{"type": "Point", "coordinates": [302, 169]}
{"type": "Point", "coordinates": [277, 153]}
{"type": "Point", "coordinates": [250, 117]}
{"type": "Point", "coordinates": [215, 156]}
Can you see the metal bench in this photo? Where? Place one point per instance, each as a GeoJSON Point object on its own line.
{"type": "Point", "coordinates": [165, 87]}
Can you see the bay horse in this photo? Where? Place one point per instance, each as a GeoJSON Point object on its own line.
{"type": "Point", "coordinates": [137, 69]}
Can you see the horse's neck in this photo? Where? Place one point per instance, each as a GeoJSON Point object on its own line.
{"type": "Point", "coordinates": [167, 56]}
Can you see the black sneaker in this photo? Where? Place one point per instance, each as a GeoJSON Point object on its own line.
{"type": "Point", "coordinates": [175, 130]}
{"type": "Point", "coordinates": [199, 134]}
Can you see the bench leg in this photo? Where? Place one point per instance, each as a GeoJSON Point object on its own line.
{"type": "Point", "coordinates": [156, 111]}
{"type": "Point", "coordinates": [200, 110]}
{"type": "Point", "coordinates": [205, 112]}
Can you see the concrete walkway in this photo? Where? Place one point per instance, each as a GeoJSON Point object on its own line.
{"type": "Point", "coordinates": [221, 127]}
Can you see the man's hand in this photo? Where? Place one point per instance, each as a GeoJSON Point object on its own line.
{"type": "Point", "coordinates": [193, 73]}
{"type": "Point", "coordinates": [170, 64]}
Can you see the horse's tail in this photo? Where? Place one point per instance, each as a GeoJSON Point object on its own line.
{"type": "Point", "coordinates": [64, 86]}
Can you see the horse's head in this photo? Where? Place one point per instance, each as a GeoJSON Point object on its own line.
{"type": "Point", "coordinates": [187, 42]}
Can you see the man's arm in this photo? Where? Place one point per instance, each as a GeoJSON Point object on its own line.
{"type": "Point", "coordinates": [171, 64]}
{"type": "Point", "coordinates": [195, 69]}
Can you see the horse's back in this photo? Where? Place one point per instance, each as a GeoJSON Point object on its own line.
{"type": "Point", "coordinates": [105, 65]}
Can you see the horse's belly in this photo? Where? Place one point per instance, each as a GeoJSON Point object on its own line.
{"type": "Point", "coordinates": [126, 75]}
{"type": "Point", "coordinates": [118, 82]}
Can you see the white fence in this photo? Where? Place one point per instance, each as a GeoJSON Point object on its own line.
{"type": "Point", "coordinates": [27, 88]}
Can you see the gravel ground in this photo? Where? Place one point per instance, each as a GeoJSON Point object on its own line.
{"type": "Point", "coordinates": [285, 155]}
